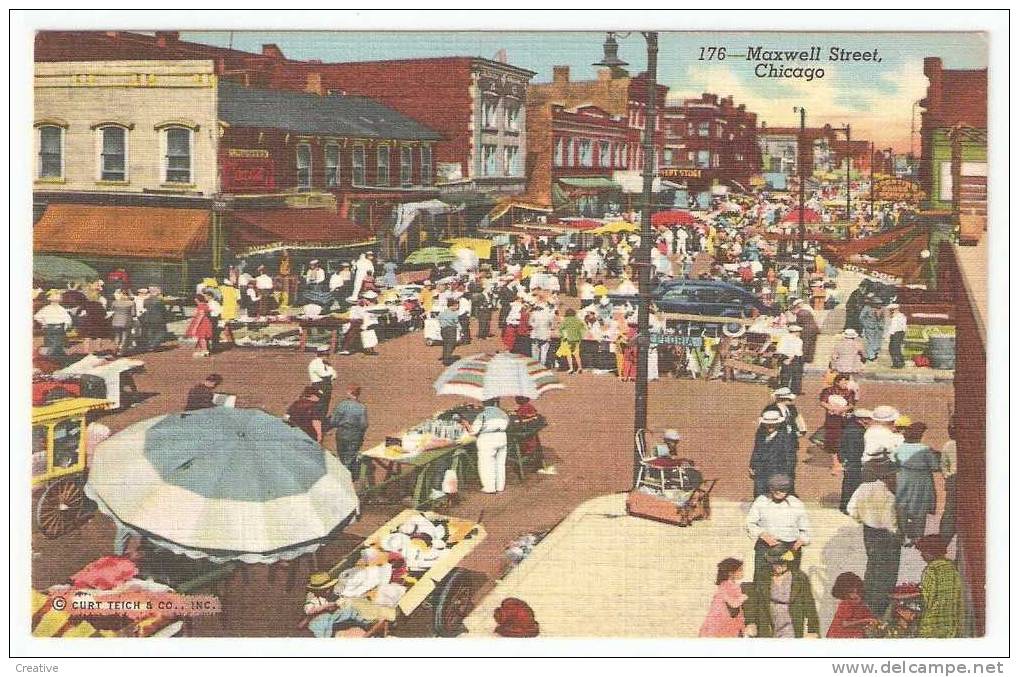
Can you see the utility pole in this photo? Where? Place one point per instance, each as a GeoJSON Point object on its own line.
{"type": "Point", "coordinates": [802, 171]}
{"type": "Point", "coordinates": [849, 151]}
{"type": "Point", "coordinates": [872, 179]}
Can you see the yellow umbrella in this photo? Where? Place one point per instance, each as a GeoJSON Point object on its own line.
{"type": "Point", "coordinates": [480, 246]}
{"type": "Point", "coordinates": [616, 227]}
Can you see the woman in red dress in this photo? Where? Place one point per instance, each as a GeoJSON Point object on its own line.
{"type": "Point", "coordinates": [837, 410]}
{"type": "Point", "coordinates": [853, 616]}
{"type": "Point", "coordinates": [525, 410]}
{"type": "Point", "coordinates": [630, 355]}
{"type": "Point", "coordinates": [200, 327]}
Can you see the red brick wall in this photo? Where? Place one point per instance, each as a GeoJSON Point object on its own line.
{"type": "Point", "coordinates": [971, 440]}
{"type": "Point", "coordinates": [435, 92]}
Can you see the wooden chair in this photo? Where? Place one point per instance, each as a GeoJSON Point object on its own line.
{"type": "Point", "coordinates": [655, 472]}
{"type": "Point", "coordinates": [698, 506]}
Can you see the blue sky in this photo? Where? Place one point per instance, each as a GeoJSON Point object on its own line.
{"type": "Point", "coordinates": [875, 98]}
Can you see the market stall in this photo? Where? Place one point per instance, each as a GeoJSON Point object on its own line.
{"type": "Point", "coordinates": [408, 562]}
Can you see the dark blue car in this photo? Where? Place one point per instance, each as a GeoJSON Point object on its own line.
{"type": "Point", "coordinates": [703, 297]}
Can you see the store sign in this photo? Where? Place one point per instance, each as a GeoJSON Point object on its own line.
{"type": "Point", "coordinates": [673, 340]}
{"type": "Point", "coordinates": [248, 153]}
{"type": "Point", "coordinates": [903, 190]}
{"type": "Point", "coordinates": [679, 173]}
{"type": "Point", "coordinates": [241, 175]}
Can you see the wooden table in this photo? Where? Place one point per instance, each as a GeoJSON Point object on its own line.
{"type": "Point", "coordinates": [421, 467]}
{"type": "Point", "coordinates": [330, 324]}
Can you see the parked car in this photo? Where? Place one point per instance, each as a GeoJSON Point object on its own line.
{"type": "Point", "coordinates": [703, 297]}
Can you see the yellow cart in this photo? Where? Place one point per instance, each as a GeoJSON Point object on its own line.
{"type": "Point", "coordinates": [443, 586]}
{"type": "Point", "coordinates": [59, 462]}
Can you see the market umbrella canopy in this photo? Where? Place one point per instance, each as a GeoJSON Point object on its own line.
{"type": "Point", "coordinates": [222, 483]}
{"type": "Point", "coordinates": [485, 376]}
{"type": "Point", "coordinates": [60, 270]}
{"type": "Point", "coordinates": [809, 216]}
{"type": "Point", "coordinates": [616, 227]}
{"type": "Point", "coordinates": [672, 217]}
{"type": "Point", "coordinates": [431, 255]}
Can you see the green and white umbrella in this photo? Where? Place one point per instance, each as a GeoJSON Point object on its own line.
{"type": "Point", "coordinates": [483, 377]}
{"type": "Point", "coordinates": [432, 255]}
{"type": "Point", "coordinates": [223, 484]}
{"type": "Point", "coordinates": [59, 270]}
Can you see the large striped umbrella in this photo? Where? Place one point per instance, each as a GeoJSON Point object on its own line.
{"type": "Point", "coordinates": [483, 377]}
{"type": "Point", "coordinates": [432, 255]}
{"type": "Point", "coordinates": [222, 484]}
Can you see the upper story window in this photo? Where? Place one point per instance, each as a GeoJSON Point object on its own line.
{"type": "Point", "coordinates": [569, 162]}
{"type": "Point", "coordinates": [304, 166]}
{"type": "Point", "coordinates": [585, 153]}
{"type": "Point", "coordinates": [331, 158]}
{"type": "Point", "coordinates": [489, 107]}
{"type": "Point", "coordinates": [112, 153]}
{"type": "Point", "coordinates": [382, 166]}
{"type": "Point", "coordinates": [489, 160]}
{"type": "Point", "coordinates": [51, 152]}
{"type": "Point", "coordinates": [357, 166]}
{"type": "Point", "coordinates": [559, 152]}
{"type": "Point", "coordinates": [667, 157]}
{"type": "Point", "coordinates": [426, 165]}
{"type": "Point", "coordinates": [513, 117]}
{"type": "Point", "coordinates": [603, 154]}
{"type": "Point", "coordinates": [704, 158]}
{"type": "Point", "coordinates": [511, 160]}
{"type": "Point", "coordinates": [177, 155]}
{"type": "Point", "coordinates": [703, 129]}
{"type": "Point", "coordinates": [406, 165]}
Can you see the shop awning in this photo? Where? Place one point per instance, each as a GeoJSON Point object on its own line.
{"type": "Point", "coordinates": [501, 209]}
{"type": "Point", "coordinates": [589, 183]}
{"type": "Point", "coordinates": [408, 211]}
{"type": "Point", "coordinates": [135, 232]}
{"type": "Point", "coordinates": [270, 229]}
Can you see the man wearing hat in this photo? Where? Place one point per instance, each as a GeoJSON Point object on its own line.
{"type": "Point", "coordinates": [895, 330]}
{"type": "Point", "coordinates": [790, 348]}
{"type": "Point", "coordinates": [873, 505]}
{"type": "Point", "coordinates": [881, 440]}
{"type": "Point", "coordinates": [793, 424]}
{"type": "Point", "coordinates": [323, 614]}
{"type": "Point", "coordinates": [848, 354]}
{"type": "Point", "coordinates": [781, 603]}
{"type": "Point", "coordinates": [774, 453]}
{"type": "Point", "coordinates": [850, 454]}
{"type": "Point", "coordinates": [350, 420]}
{"type": "Point", "coordinates": [872, 327]}
{"type": "Point", "coordinates": [777, 518]}
{"type": "Point", "coordinates": [369, 320]}
{"type": "Point", "coordinates": [315, 275]}
{"type": "Point", "coordinates": [55, 322]}
{"type": "Point", "coordinates": [321, 374]}
{"type": "Point", "coordinates": [805, 320]}
{"type": "Point", "coordinates": [941, 588]}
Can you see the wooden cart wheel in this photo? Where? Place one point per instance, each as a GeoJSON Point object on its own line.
{"type": "Point", "coordinates": [453, 603]}
{"type": "Point", "coordinates": [62, 507]}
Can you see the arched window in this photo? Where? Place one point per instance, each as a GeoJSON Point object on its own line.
{"type": "Point", "coordinates": [177, 145]}
{"type": "Point", "coordinates": [51, 152]}
{"type": "Point", "coordinates": [112, 153]}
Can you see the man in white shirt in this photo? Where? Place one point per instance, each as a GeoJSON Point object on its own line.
{"type": "Point", "coordinates": [790, 347]}
{"type": "Point", "coordinates": [322, 374]}
{"type": "Point", "coordinates": [873, 505]}
{"type": "Point", "coordinates": [680, 241]}
{"type": "Point", "coordinates": [881, 440]}
{"type": "Point", "coordinates": [542, 319]}
{"type": "Point", "coordinates": [777, 518]}
{"type": "Point", "coordinates": [895, 330]}
{"type": "Point", "coordinates": [55, 322]}
{"type": "Point", "coordinates": [264, 282]}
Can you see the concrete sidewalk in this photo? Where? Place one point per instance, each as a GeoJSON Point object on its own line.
{"type": "Point", "coordinates": [603, 573]}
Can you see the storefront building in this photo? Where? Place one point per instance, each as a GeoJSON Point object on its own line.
{"type": "Point", "coordinates": [781, 147]}
{"type": "Point", "coordinates": [716, 138]}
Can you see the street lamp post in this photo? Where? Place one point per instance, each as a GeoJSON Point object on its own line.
{"type": "Point", "coordinates": [872, 179]}
{"type": "Point", "coordinates": [643, 258]}
{"type": "Point", "coordinates": [849, 151]}
{"type": "Point", "coordinates": [801, 167]}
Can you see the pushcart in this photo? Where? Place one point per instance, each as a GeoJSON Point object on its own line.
{"type": "Point", "coordinates": [443, 587]}
{"type": "Point", "coordinates": [59, 463]}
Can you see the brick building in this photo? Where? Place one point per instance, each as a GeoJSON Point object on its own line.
{"type": "Point", "coordinates": [476, 105]}
{"type": "Point", "coordinates": [164, 169]}
{"type": "Point", "coordinates": [859, 155]}
{"type": "Point", "coordinates": [587, 139]}
{"type": "Point", "coordinates": [710, 141]}
{"type": "Point", "coordinates": [782, 154]}
{"type": "Point", "coordinates": [953, 144]}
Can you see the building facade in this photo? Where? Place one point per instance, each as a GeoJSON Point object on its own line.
{"type": "Point", "coordinates": [953, 145]}
{"type": "Point", "coordinates": [710, 141]}
{"type": "Point", "coordinates": [164, 169]}
{"type": "Point", "coordinates": [587, 138]}
{"type": "Point", "coordinates": [782, 153]}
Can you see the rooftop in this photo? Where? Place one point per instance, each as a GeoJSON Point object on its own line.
{"type": "Point", "coordinates": [340, 115]}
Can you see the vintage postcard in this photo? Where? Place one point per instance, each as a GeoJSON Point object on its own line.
{"type": "Point", "coordinates": [640, 334]}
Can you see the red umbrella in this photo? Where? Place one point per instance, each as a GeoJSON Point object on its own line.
{"type": "Point", "coordinates": [809, 216]}
{"type": "Point", "coordinates": [672, 217]}
{"type": "Point", "coordinates": [583, 224]}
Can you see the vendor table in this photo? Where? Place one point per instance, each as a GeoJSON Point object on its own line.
{"type": "Point", "coordinates": [422, 467]}
{"type": "Point", "coordinates": [330, 324]}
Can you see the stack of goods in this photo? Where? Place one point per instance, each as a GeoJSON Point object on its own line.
{"type": "Point", "coordinates": [394, 561]}
{"type": "Point", "coordinates": [268, 336]}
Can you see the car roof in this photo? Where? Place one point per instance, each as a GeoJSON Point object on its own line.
{"type": "Point", "coordinates": [701, 283]}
